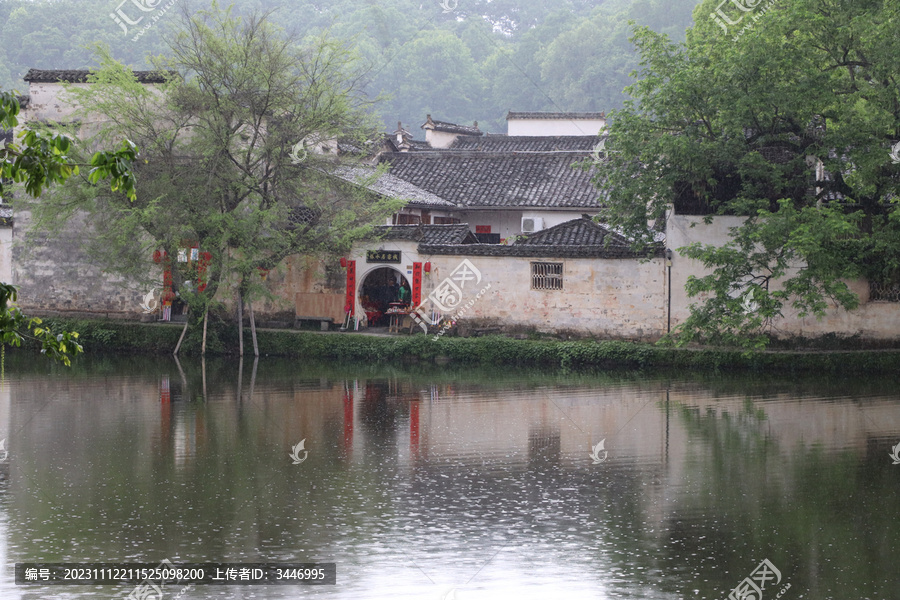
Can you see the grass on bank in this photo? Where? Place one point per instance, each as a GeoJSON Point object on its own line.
{"type": "Point", "coordinates": [154, 338]}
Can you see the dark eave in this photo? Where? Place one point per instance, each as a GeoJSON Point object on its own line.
{"type": "Point", "coordinates": [81, 75]}
{"type": "Point", "coordinates": [533, 251]}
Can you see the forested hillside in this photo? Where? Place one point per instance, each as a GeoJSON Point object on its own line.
{"type": "Point", "coordinates": [460, 60]}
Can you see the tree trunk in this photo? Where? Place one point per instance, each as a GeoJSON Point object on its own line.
{"type": "Point", "coordinates": [240, 382]}
{"type": "Point", "coordinates": [181, 339]}
{"type": "Point", "coordinates": [253, 328]}
{"type": "Point", "coordinates": [203, 376]}
{"type": "Point", "coordinates": [253, 377]}
{"type": "Point", "coordinates": [240, 309]}
{"type": "Point", "coordinates": [205, 320]}
{"type": "Point", "coordinates": [185, 392]}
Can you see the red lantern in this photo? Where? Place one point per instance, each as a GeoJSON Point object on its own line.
{"type": "Point", "coordinates": [157, 256]}
{"type": "Point", "coordinates": [427, 267]}
{"type": "Point", "coordinates": [344, 262]}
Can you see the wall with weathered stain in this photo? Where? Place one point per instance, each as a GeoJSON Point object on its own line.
{"type": "Point", "coordinates": [45, 102]}
{"type": "Point", "coordinates": [872, 320]}
{"type": "Point", "coordinates": [56, 277]}
{"type": "Point", "coordinates": [293, 285]}
{"type": "Point", "coordinates": [6, 258]}
{"type": "Point", "coordinates": [614, 298]}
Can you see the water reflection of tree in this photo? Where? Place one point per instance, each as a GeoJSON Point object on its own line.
{"type": "Point", "coordinates": [826, 519]}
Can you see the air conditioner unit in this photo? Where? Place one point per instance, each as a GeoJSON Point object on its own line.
{"type": "Point", "coordinates": [532, 224]}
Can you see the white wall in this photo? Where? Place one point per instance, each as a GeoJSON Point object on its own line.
{"type": "Point", "coordinates": [872, 320]}
{"type": "Point", "coordinates": [509, 222]}
{"type": "Point", "coordinates": [539, 127]}
{"type": "Point", "coordinates": [6, 239]}
{"type": "Point", "coordinates": [440, 139]}
{"type": "Point", "coordinates": [45, 103]}
{"type": "Point", "coordinates": [604, 297]}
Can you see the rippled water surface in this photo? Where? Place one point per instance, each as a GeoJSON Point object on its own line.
{"type": "Point", "coordinates": [430, 483]}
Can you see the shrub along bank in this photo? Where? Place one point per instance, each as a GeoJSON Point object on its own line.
{"type": "Point", "coordinates": [129, 337]}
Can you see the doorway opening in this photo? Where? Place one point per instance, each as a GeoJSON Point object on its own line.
{"type": "Point", "coordinates": [382, 289]}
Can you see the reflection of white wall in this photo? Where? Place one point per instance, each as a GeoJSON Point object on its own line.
{"type": "Point", "coordinates": [794, 421]}
{"type": "Point", "coordinates": [497, 424]}
{"type": "Point", "coordinates": [4, 414]}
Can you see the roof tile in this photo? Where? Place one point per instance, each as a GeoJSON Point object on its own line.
{"type": "Point", "coordinates": [499, 179]}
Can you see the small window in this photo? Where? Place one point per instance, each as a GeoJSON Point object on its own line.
{"type": "Point", "coordinates": [884, 291]}
{"type": "Point", "coordinates": [407, 219]}
{"type": "Point", "coordinates": [546, 276]}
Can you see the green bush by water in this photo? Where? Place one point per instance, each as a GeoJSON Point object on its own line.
{"type": "Point", "coordinates": [158, 338]}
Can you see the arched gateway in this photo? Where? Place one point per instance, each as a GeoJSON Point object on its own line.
{"type": "Point", "coordinates": [380, 288]}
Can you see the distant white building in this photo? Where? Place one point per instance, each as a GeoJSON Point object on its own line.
{"type": "Point", "coordinates": [500, 185]}
{"type": "Point", "coordinates": [548, 123]}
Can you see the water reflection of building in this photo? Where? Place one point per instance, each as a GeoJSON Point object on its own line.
{"type": "Point", "coordinates": [182, 425]}
{"type": "Point", "coordinates": [4, 429]}
{"type": "Point", "coordinates": [472, 424]}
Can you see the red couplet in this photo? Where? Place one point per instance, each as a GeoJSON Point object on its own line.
{"type": "Point", "coordinates": [417, 284]}
{"type": "Point", "coordinates": [350, 303]}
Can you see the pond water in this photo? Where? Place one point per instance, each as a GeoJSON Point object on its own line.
{"type": "Point", "coordinates": [430, 483]}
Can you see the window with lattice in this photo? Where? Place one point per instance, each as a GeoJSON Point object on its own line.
{"type": "Point", "coordinates": [546, 276]}
{"type": "Point", "coordinates": [884, 291]}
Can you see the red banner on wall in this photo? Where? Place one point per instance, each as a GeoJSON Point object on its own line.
{"type": "Point", "coordinates": [203, 262]}
{"type": "Point", "coordinates": [350, 302]}
{"type": "Point", "coordinates": [167, 294]}
{"type": "Point", "coordinates": [417, 284]}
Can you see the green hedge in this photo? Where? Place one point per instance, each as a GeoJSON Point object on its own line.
{"type": "Point", "coordinates": [106, 336]}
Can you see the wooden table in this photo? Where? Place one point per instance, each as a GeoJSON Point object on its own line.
{"type": "Point", "coordinates": [397, 321]}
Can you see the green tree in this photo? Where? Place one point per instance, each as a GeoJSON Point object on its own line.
{"type": "Point", "coordinates": [436, 73]}
{"type": "Point", "coordinates": [588, 66]}
{"type": "Point", "coordinates": [736, 123]}
{"type": "Point", "coordinates": [39, 161]}
{"type": "Point", "coordinates": [238, 148]}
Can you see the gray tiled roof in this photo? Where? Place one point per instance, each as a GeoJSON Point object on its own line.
{"type": "Point", "coordinates": [499, 179]}
{"type": "Point", "coordinates": [578, 238]}
{"type": "Point", "coordinates": [389, 185]}
{"type": "Point", "coordinates": [525, 143]}
{"type": "Point", "coordinates": [412, 145]}
{"type": "Point", "coordinates": [577, 232]}
{"type": "Point", "coordinates": [451, 127]}
{"type": "Point", "coordinates": [430, 234]}
{"type": "Point", "coordinates": [80, 76]}
{"type": "Point", "coordinates": [555, 115]}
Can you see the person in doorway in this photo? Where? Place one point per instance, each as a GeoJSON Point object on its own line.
{"type": "Point", "coordinates": [393, 291]}
{"type": "Point", "coordinates": [404, 294]}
